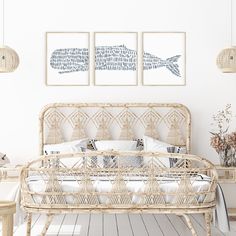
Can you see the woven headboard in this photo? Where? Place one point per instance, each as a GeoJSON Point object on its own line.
{"type": "Point", "coordinates": [169, 122]}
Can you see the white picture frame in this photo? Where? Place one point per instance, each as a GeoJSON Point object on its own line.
{"type": "Point", "coordinates": [115, 58]}
{"type": "Point", "coordinates": [67, 58]}
{"type": "Point", "coordinates": [163, 58]}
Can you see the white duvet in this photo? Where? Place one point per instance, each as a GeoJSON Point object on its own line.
{"type": "Point", "coordinates": [134, 185]}
{"type": "Point", "coordinates": [201, 183]}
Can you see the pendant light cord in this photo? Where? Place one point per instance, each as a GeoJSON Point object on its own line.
{"type": "Point", "coordinates": [3, 22]}
{"type": "Point", "coordinates": [231, 22]}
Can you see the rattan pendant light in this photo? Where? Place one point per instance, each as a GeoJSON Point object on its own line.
{"type": "Point", "coordinates": [226, 60]}
{"type": "Point", "coordinates": [9, 59]}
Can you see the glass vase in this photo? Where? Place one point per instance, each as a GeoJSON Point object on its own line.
{"type": "Point", "coordinates": [227, 158]}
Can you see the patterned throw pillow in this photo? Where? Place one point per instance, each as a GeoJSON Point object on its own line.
{"type": "Point", "coordinates": [139, 144]}
{"type": "Point", "coordinates": [63, 148]}
{"type": "Point", "coordinates": [173, 161]}
{"type": "Point", "coordinates": [155, 145]}
{"type": "Point", "coordinates": [118, 145]}
{"type": "Point", "coordinates": [66, 147]}
{"type": "Point", "coordinates": [91, 145]}
{"type": "Point", "coordinates": [174, 149]}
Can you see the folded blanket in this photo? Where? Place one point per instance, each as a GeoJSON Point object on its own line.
{"type": "Point", "coordinates": [221, 219]}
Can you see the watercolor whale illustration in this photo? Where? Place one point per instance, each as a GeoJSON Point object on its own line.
{"type": "Point", "coordinates": [119, 57]}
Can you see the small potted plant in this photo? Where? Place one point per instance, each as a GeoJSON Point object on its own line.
{"type": "Point", "coordinates": [3, 159]}
{"type": "Point", "coordinates": [221, 140]}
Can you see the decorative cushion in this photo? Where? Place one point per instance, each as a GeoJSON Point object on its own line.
{"type": "Point", "coordinates": [67, 147]}
{"type": "Point", "coordinates": [174, 149]}
{"type": "Point", "coordinates": [118, 145]}
{"type": "Point", "coordinates": [155, 145]}
{"type": "Point", "coordinates": [139, 144]}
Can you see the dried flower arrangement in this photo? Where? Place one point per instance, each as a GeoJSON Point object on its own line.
{"type": "Point", "coordinates": [223, 142]}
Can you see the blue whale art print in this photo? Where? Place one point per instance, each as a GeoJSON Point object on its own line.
{"type": "Point", "coordinates": [69, 60]}
{"type": "Point", "coordinates": [119, 57]}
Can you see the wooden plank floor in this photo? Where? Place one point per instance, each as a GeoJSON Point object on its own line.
{"type": "Point", "coordinates": [119, 225]}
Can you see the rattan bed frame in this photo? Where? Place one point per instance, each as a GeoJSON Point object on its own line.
{"type": "Point", "coordinates": [71, 121]}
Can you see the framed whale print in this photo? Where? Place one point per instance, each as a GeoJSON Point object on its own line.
{"type": "Point", "coordinates": [67, 58]}
{"type": "Point", "coordinates": [163, 58]}
{"type": "Point", "coordinates": [115, 58]}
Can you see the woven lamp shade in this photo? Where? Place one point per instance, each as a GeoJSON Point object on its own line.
{"type": "Point", "coordinates": [226, 60]}
{"type": "Point", "coordinates": [9, 60]}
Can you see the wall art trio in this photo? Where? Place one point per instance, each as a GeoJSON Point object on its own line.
{"type": "Point", "coordinates": [115, 58]}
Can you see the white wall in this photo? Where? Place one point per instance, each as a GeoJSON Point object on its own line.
{"type": "Point", "coordinates": [23, 93]}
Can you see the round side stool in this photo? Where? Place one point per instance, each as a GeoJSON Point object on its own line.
{"type": "Point", "coordinates": [7, 210]}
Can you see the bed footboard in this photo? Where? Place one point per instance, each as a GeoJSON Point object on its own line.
{"type": "Point", "coordinates": [82, 182]}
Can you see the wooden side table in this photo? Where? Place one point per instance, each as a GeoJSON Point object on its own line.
{"type": "Point", "coordinates": [227, 175]}
{"type": "Point", "coordinates": [7, 210]}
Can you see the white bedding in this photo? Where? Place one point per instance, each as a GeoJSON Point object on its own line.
{"type": "Point", "coordinates": [104, 185]}
{"type": "Point", "coordinates": [220, 219]}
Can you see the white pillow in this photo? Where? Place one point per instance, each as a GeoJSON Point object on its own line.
{"type": "Point", "coordinates": [66, 147]}
{"type": "Point", "coordinates": [151, 144]}
{"type": "Point", "coordinates": [119, 145]}
{"type": "Point", "coordinates": [155, 145]}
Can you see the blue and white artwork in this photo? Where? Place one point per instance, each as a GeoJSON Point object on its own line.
{"type": "Point", "coordinates": [163, 59]}
{"type": "Point", "coordinates": [115, 58]}
{"type": "Point", "coordinates": [68, 58]}
{"type": "Point", "coordinates": [152, 62]}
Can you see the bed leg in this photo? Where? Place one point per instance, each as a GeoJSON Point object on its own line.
{"type": "Point", "coordinates": [207, 216]}
{"type": "Point", "coordinates": [29, 219]}
{"type": "Point", "coordinates": [47, 224]}
{"type": "Point", "coordinates": [190, 225]}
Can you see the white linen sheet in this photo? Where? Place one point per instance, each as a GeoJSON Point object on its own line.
{"type": "Point", "coordinates": [11, 191]}
{"type": "Point", "coordinates": [104, 185]}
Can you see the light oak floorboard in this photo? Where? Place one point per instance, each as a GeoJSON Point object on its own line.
{"type": "Point", "coordinates": [68, 226]}
{"type": "Point", "coordinates": [137, 224]}
{"type": "Point", "coordinates": [55, 226]}
{"type": "Point", "coordinates": [200, 229]}
{"type": "Point", "coordinates": [110, 225]}
{"type": "Point", "coordinates": [199, 218]}
{"type": "Point", "coordinates": [166, 226]}
{"type": "Point", "coordinates": [123, 225]}
{"type": "Point", "coordinates": [96, 225]}
{"type": "Point", "coordinates": [119, 225]}
{"type": "Point", "coordinates": [179, 225]}
{"type": "Point", "coordinates": [82, 224]}
{"type": "Point", "coordinates": [36, 226]}
{"type": "Point", "coordinates": [152, 225]}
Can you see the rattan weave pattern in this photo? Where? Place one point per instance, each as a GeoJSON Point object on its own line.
{"type": "Point", "coordinates": [170, 122]}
